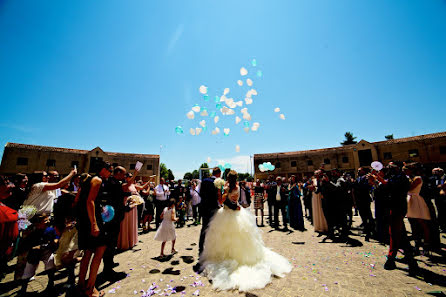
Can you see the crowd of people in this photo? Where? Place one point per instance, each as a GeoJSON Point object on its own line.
{"type": "Point", "coordinates": [84, 218]}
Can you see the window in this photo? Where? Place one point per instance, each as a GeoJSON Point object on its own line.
{"type": "Point", "coordinates": [413, 153]}
{"type": "Point", "coordinates": [344, 159]}
{"type": "Point", "coordinates": [149, 167]}
{"type": "Point", "coordinates": [278, 165]}
{"type": "Point", "coordinates": [75, 163]}
{"type": "Point", "coordinates": [327, 161]}
{"type": "Point", "coordinates": [132, 166]}
{"type": "Point", "coordinates": [51, 163]}
{"type": "Point", "coordinates": [22, 161]}
{"type": "Point", "coordinates": [442, 150]}
{"type": "Point", "coordinates": [310, 162]}
{"type": "Point", "coordinates": [387, 156]}
{"type": "Point", "coordinates": [293, 164]}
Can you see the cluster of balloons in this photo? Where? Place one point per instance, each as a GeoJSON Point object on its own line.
{"type": "Point", "coordinates": [224, 167]}
{"type": "Point", "coordinates": [108, 213]}
{"type": "Point", "coordinates": [266, 166]}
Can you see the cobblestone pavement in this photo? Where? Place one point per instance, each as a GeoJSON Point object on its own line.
{"type": "Point", "coordinates": [319, 269]}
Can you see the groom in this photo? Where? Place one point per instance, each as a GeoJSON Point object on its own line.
{"type": "Point", "coordinates": [209, 203]}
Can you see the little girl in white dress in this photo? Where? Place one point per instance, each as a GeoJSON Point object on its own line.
{"type": "Point", "coordinates": [166, 230]}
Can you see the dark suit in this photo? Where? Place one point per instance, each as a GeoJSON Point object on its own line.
{"type": "Point", "coordinates": [271, 191]}
{"type": "Point", "coordinates": [280, 205]}
{"type": "Point", "coordinates": [208, 206]}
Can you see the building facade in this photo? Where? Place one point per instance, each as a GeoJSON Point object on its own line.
{"type": "Point", "coordinates": [25, 158]}
{"type": "Point", "coordinates": [429, 149]}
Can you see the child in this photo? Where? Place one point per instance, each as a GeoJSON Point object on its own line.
{"type": "Point", "coordinates": [181, 212]}
{"type": "Point", "coordinates": [166, 230]}
{"type": "Point", "coordinates": [42, 242]}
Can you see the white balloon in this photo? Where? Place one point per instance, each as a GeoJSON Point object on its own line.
{"type": "Point", "coordinates": [276, 109]}
{"type": "Point", "coordinates": [244, 110]}
{"type": "Point", "coordinates": [239, 103]}
{"type": "Point", "coordinates": [249, 82]}
{"type": "Point", "coordinates": [203, 89]}
{"type": "Point", "coordinates": [226, 91]}
{"type": "Point", "coordinates": [248, 94]}
{"type": "Point", "coordinates": [209, 160]}
{"type": "Point", "coordinates": [192, 131]}
{"type": "Point", "coordinates": [246, 129]}
{"type": "Point", "coordinates": [196, 108]}
{"type": "Point", "coordinates": [216, 119]}
{"type": "Point", "coordinates": [230, 112]}
{"type": "Point", "coordinates": [282, 116]}
{"type": "Point", "coordinates": [190, 115]}
{"type": "Point", "coordinates": [229, 101]}
{"type": "Point", "coordinates": [198, 131]}
{"type": "Point", "coordinates": [224, 110]}
{"type": "Point", "coordinates": [226, 131]}
{"type": "Point", "coordinates": [240, 83]}
{"type": "Point", "coordinates": [243, 71]}
{"type": "Point", "coordinates": [214, 132]}
{"type": "Point", "coordinates": [217, 130]}
{"type": "Point", "coordinates": [232, 105]}
{"type": "Point", "coordinates": [223, 98]}
{"type": "Point", "coordinates": [256, 124]}
{"type": "Point", "coordinates": [203, 123]}
{"type": "Point", "coordinates": [237, 148]}
{"type": "Point", "coordinates": [248, 100]}
{"type": "Point", "coordinates": [247, 116]}
{"type": "Point", "coordinates": [254, 128]}
{"type": "Point", "coordinates": [237, 119]}
{"type": "Point", "coordinates": [204, 113]}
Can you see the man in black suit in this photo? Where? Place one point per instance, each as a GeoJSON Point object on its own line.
{"type": "Point", "coordinates": [209, 203]}
{"type": "Point", "coordinates": [271, 189]}
{"type": "Point", "coordinates": [280, 194]}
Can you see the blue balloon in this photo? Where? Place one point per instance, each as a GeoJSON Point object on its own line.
{"type": "Point", "coordinates": [221, 167]}
{"type": "Point", "coordinates": [206, 97]}
{"type": "Point", "coordinates": [227, 166]}
{"type": "Point", "coordinates": [217, 99]}
{"type": "Point", "coordinates": [108, 213]}
{"type": "Point", "coordinates": [212, 114]}
{"type": "Point", "coordinates": [179, 130]}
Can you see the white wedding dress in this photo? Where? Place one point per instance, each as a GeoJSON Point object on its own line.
{"type": "Point", "coordinates": [234, 255]}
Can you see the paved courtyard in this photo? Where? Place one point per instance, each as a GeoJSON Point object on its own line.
{"type": "Point", "coordinates": [319, 269]}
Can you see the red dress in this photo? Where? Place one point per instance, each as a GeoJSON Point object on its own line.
{"type": "Point", "coordinates": [9, 229]}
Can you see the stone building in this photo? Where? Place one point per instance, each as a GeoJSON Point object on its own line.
{"type": "Point", "coordinates": [27, 158]}
{"type": "Point", "coordinates": [429, 149]}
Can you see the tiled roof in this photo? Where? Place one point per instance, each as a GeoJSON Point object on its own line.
{"type": "Point", "coordinates": [341, 149]}
{"type": "Point", "coordinates": [75, 151]}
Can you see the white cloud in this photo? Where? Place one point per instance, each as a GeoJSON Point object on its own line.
{"type": "Point", "coordinates": [174, 39]}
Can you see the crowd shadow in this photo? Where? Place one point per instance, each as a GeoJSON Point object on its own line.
{"type": "Point", "coordinates": [171, 271]}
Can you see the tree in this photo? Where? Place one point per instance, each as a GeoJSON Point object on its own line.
{"type": "Point", "coordinates": [195, 174]}
{"type": "Point", "coordinates": [389, 137]}
{"type": "Point", "coordinates": [164, 173]}
{"type": "Point", "coordinates": [204, 173]}
{"type": "Point", "coordinates": [349, 139]}
{"type": "Point", "coordinates": [170, 175]}
{"type": "Point", "coordinates": [188, 176]}
{"type": "Point", "coordinates": [244, 176]}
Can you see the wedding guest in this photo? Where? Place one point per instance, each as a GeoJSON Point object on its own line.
{"type": "Point", "coordinates": [19, 192]}
{"type": "Point", "coordinates": [181, 209]}
{"type": "Point", "coordinates": [280, 203]}
{"type": "Point", "coordinates": [363, 200]}
{"type": "Point", "coordinates": [162, 193]}
{"type": "Point", "coordinates": [92, 237]}
{"type": "Point", "coordinates": [245, 195]}
{"type": "Point", "coordinates": [381, 196]}
{"type": "Point", "coordinates": [166, 231]}
{"type": "Point", "coordinates": [147, 216]}
{"type": "Point", "coordinates": [259, 200]}
{"type": "Point", "coordinates": [43, 194]}
{"type": "Point", "coordinates": [195, 200]}
{"type": "Point", "coordinates": [319, 221]}
{"type": "Point", "coordinates": [437, 191]}
{"type": "Point", "coordinates": [307, 196]}
{"type": "Point", "coordinates": [295, 205]}
{"type": "Point", "coordinates": [271, 190]}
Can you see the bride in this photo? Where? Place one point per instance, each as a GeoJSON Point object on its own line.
{"type": "Point", "coordinates": [234, 255]}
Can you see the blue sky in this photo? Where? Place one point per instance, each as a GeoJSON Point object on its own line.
{"type": "Point", "coordinates": [123, 74]}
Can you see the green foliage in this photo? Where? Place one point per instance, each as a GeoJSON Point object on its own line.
{"type": "Point", "coordinates": [170, 175]}
{"type": "Point", "coordinates": [389, 137]}
{"type": "Point", "coordinates": [163, 171]}
{"type": "Point", "coordinates": [349, 139]}
{"type": "Point", "coordinates": [244, 176]}
{"type": "Point", "coordinates": [195, 174]}
{"type": "Point", "coordinates": [188, 176]}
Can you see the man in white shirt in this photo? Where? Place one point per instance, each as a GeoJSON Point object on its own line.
{"type": "Point", "coordinates": [162, 193]}
{"type": "Point", "coordinates": [196, 199]}
{"type": "Point", "coordinates": [280, 203]}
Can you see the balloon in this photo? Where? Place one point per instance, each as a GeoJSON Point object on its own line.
{"type": "Point", "coordinates": [261, 168]}
{"type": "Point", "coordinates": [246, 124]}
{"type": "Point", "coordinates": [246, 129]}
{"type": "Point", "coordinates": [247, 116]}
{"type": "Point", "coordinates": [218, 105]}
{"type": "Point", "coordinates": [282, 116]}
{"type": "Point", "coordinates": [203, 89]}
{"type": "Point", "coordinates": [226, 131]}
{"type": "Point", "coordinates": [196, 108]}
{"type": "Point", "coordinates": [243, 71]}
{"type": "Point", "coordinates": [179, 130]}
{"type": "Point", "coordinates": [254, 63]}
{"type": "Point", "coordinates": [212, 114]}
{"type": "Point", "coordinates": [377, 165]}
{"type": "Point", "coordinates": [108, 213]}
{"type": "Point", "coordinates": [253, 92]}
{"type": "Point", "coordinates": [205, 129]}
{"type": "Point", "coordinates": [230, 112]}
{"type": "Point", "coordinates": [239, 103]}
{"type": "Point", "coordinates": [221, 167]}
{"type": "Point", "coordinates": [259, 73]}
{"type": "Point", "coordinates": [192, 131]}
{"type": "Point", "coordinates": [226, 91]}
{"type": "Point", "coordinates": [209, 160]}
{"type": "Point", "coordinates": [227, 166]}
{"type": "Point", "coordinates": [216, 131]}
{"type": "Point", "coordinates": [198, 131]}
{"type": "Point", "coordinates": [206, 97]}
{"type": "Point", "coordinates": [216, 119]}
{"type": "Point", "coordinates": [248, 100]}
{"type": "Point", "coordinates": [223, 98]}
{"type": "Point", "coordinates": [249, 82]}
{"type": "Point", "coordinates": [204, 112]}
{"type": "Point", "coordinates": [276, 109]}
{"type": "Point", "coordinates": [237, 119]}
{"type": "Point", "coordinates": [203, 123]}
{"type": "Point", "coordinates": [217, 99]}
{"type": "Point", "coordinates": [256, 124]}
{"type": "Point", "coordinates": [272, 167]}
{"type": "Point", "coordinates": [190, 115]}
{"type": "Point", "coordinates": [240, 83]}
{"type": "Point", "coordinates": [244, 110]}
{"type": "Point", "coordinates": [254, 128]}
{"type": "Point", "coordinates": [237, 148]}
